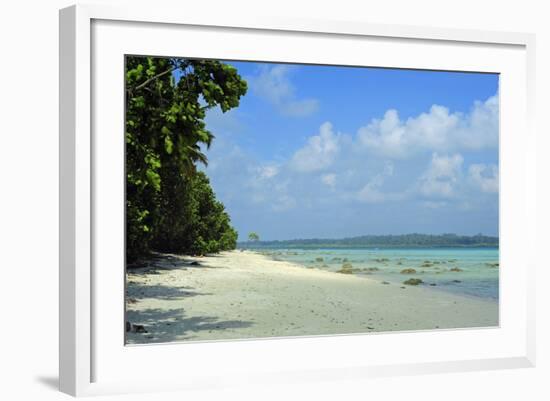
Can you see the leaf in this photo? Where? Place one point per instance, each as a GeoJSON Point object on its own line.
{"type": "Point", "coordinates": [154, 179]}
{"type": "Point", "coordinates": [203, 136]}
{"type": "Point", "coordinates": [168, 145]}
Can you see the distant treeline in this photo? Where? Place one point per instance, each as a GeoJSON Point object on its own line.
{"type": "Point", "coordinates": [383, 241]}
{"type": "Point", "coordinates": [170, 205]}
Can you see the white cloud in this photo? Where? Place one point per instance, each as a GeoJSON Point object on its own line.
{"type": "Point", "coordinates": [406, 165]}
{"type": "Point", "coordinates": [329, 179]}
{"type": "Point", "coordinates": [300, 108]}
{"type": "Point", "coordinates": [485, 177]}
{"type": "Point", "coordinates": [266, 187]}
{"type": "Point", "coordinates": [273, 84]}
{"type": "Point", "coordinates": [434, 204]}
{"type": "Point", "coordinates": [371, 192]}
{"type": "Point", "coordinates": [283, 202]}
{"type": "Point", "coordinates": [436, 130]}
{"type": "Point", "coordinates": [267, 172]}
{"type": "Point", "coordinates": [386, 136]}
{"type": "Point", "coordinates": [442, 176]}
{"type": "Point", "coordinates": [319, 152]}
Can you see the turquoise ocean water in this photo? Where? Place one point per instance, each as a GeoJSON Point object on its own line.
{"type": "Point", "coordinates": [466, 271]}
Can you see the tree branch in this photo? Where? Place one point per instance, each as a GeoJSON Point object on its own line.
{"type": "Point", "coordinates": [154, 78]}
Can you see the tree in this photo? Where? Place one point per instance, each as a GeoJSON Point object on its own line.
{"type": "Point", "coordinates": [253, 237]}
{"type": "Point", "coordinates": [206, 227]}
{"type": "Point", "coordinates": [166, 103]}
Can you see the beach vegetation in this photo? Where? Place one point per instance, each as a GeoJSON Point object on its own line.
{"type": "Point", "coordinates": [408, 271]}
{"type": "Point", "coordinates": [414, 240]}
{"type": "Point", "coordinates": [170, 205]}
{"type": "Point", "coordinates": [253, 237]}
{"type": "Point", "coordinates": [206, 227]}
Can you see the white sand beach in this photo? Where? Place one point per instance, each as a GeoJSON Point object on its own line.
{"type": "Point", "coordinates": [243, 294]}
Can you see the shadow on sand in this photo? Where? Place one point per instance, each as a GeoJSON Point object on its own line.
{"type": "Point", "coordinates": [173, 325]}
{"type": "Point", "coordinates": [137, 291]}
{"type": "Point", "coordinates": [168, 325]}
{"type": "Point", "coordinates": [159, 262]}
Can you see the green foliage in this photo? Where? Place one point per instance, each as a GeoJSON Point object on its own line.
{"type": "Point", "coordinates": [206, 227]}
{"type": "Point", "coordinates": [388, 241]}
{"type": "Point", "coordinates": [253, 237]}
{"type": "Point", "coordinates": [169, 205]}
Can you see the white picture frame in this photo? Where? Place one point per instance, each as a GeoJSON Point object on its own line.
{"type": "Point", "coordinates": [94, 361]}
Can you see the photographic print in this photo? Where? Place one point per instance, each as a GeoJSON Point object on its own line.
{"type": "Point", "coordinates": [281, 200]}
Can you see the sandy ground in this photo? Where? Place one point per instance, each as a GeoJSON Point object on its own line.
{"type": "Point", "coordinates": [244, 294]}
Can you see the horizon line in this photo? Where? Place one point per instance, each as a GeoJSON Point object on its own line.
{"type": "Point", "coordinates": [377, 235]}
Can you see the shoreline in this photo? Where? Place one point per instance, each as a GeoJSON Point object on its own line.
{"type": "Point", "coordinates": [435, 271]}
{"type": "Point", "coordinates": [244, 294]}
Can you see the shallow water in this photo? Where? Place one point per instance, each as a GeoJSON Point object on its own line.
{"type": "Point", "coordinates": [467, 271]}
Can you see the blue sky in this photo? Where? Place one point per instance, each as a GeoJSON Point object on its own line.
{"type": "Point", "coordinates": [330, 152]}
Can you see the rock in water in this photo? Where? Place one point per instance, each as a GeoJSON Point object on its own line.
{"type": "Point", "coordinates": [138, 328]}
{"type": "Point", "coordinates": [413, 281]}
